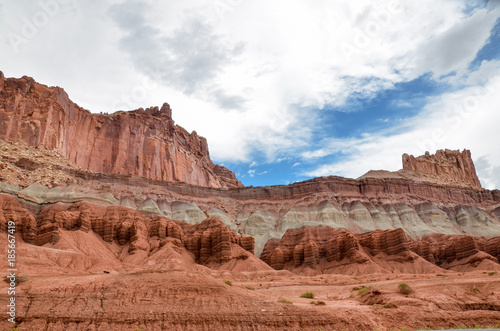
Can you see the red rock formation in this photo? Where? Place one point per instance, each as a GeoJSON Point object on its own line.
{"type": "Point", "coordinates": [329, 249]}
{"type": "Point", "coordinates": [326, 249]}
{"type": "Point", "coordinates": [142, 142]}
{"type": "Point", "coordinates": [491, 246]}
{"type": "Point", "coordinates": [210, 241]}
{"type": "Point", "coordinates": [454, 166]}
{"type": "Point", "coordinates": [25, 224]}
{"type": "Point", "coordinates": [2, 79]}
{"type": "Point", "coordinates": [460, 253]}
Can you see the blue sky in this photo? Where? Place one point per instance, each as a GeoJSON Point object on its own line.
{"type": "Point", "coordinates": [283, 90]}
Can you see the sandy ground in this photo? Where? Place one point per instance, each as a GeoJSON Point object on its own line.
{"type": "Point", "coordinates": [181, 300]}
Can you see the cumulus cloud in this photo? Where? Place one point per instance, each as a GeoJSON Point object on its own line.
{"type": "Point", "coordinates": [189, 58]}
{"type": "Point", "coordinates": [464, 118]}
{"type": "Point", "coordinates": [256, 78]}
{"type": "Point", "coordinates": [454, 49]}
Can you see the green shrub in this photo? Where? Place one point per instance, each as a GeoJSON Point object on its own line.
{"type": "Point", "coordinates": [308, 295]}
{"type": "Point", "coordinates": [228, 282]}
{"type": "Point", "coordinates": [492, 273]}
{"type": "Point", "coordinates": [390, 305]}
{"type": "Point", "coordinates": [318, 303]}
{"type": "Point", "coordinates": [363, 290]}
{"type": "Point", "coordinates": [282, 299]}
{"type": "Point", "coordinates": [404, 288]}
{"type": "Point", "coordinates": [249, 287]}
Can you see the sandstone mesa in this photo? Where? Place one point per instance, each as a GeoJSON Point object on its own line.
{"type": "Point", "coordinates": [126, 217]}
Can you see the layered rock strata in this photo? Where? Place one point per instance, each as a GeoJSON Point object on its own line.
{"type": "Point", "coordinates": [144, 142]}
{"type": "Point", "coordinates": [329, 250]}
{"type": "Point", "coordinates": [455, 166]}
{"type": "Point", "coordinates": [209, 241]}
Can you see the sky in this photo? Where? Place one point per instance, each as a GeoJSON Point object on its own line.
{"type": "Point", "coordinates": [284, 91]}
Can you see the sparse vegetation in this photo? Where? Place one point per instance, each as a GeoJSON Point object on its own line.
{"type": "Point", "coordinates": [318, 303]}
{"type": "Point", "coordinates": [474, 290]}
{"type": "Point", "coordinates": [492, 273]}
{"type": "Point", "coordinates": [404, 288]}
{"type": "Point", "coordinates": [390, 305]}
{"type": "Point", "coordinates": [441, 275]}
{"type": "Point", "coordinates": [248, 287]}
{"type": "Point", "coordinates": [308, 295]}
{"type": "Point", "coordinates": [18, 280]}
{"type": "Point", "coordinates": [362, 290]}
{"type": "Point", "coordinates": [228, 282]}
{"type": "Point", "coordinates": [282, 299]}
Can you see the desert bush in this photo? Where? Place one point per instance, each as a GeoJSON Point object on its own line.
{"type": "Point", "coordinates": [318, 303]}
{"type": "Point", "coordinates": [282, 299]}
{"type": "Point", "coordinates": [308, 295]}
{"type": "Point", "coordinates": [404, 288]}
{"type": "Point", "coordinates": [363, 290]}
{"type": "Point", "coordinates": [19, 279]}
{"type": "Point", "coordinates": [390, 305]}
{"type": "Point", "coordinates": [249, 287]}
{"type": "Point", "coordinates": [228, 282]}
{"type": "Point", "coordinates": [492, 273]}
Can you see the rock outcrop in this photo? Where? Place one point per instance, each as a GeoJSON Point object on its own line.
{"type": "Point", "coordinates": [459, 253]}
{"type": "Point", "coordinates": [41, 177]}
{"type": "Point", "coordinates": [455, 166]}
{"type": "Point", "coordinates": [144, 142]}
{"type": "Point", "coordinates": [21, 221]}
{"type": "Point", "coordinates": [210, 241]}
{"type": "Point", "coordinates": [327, 250]}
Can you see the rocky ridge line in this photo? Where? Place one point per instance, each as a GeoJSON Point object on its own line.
{"type": "Point", "coordinates": [144, 142]}
{"type": "Point", "coordinates": [454, 166]}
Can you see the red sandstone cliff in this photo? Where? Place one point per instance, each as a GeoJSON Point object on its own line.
{"type": "Point", "coordinates": [454, 166]}
{"type": "Point", "coordinates": [142, 142]}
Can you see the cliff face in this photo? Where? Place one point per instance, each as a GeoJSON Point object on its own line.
{"type": "Point", "coordinates": [362, 205]}
{"type": "Point", "coordinates": [455, 166]}
{"type": "Point", "coordinates": [142, 142]}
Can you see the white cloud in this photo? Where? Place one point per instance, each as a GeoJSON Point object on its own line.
{"type": "Point", "coordinates": [456, 47]}
{"type": "Point", "coordinates": [281, 159]}
{"type": "Point", "coordinates": [249, 75]}
{"type": "Point", "coordinates": [466, 118]}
